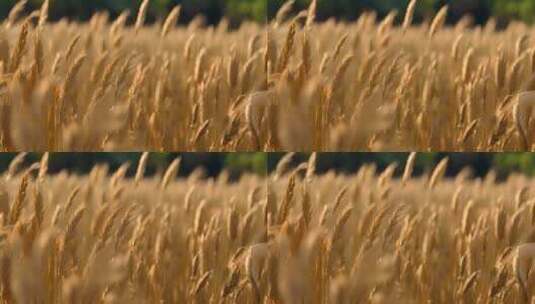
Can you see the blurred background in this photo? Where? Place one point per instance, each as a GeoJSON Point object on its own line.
{"type": "Point", "coordinates": [260, 163]}
{"type": "Point", "coordinates": [480, 164]}
{"type": "Point", "coordinates": [213, 10]}
{"type": "Point", "coordinates": [480, 10]}
{"type": "Point", "coordinates": [237, 11]}
{"type": "Point", "coordinates": [212, 164]}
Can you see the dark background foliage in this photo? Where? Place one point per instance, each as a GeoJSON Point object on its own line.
{"type": "Point", "coordinates": [211, 163]}
{"type": "Point", "coordinates": [479, 163]}
{"type": "Point", "coordinates": [239, 10]}
{"type": "Point", "coordinates": [262, 163]}
{"type": "Point", "coordinates": [212, 10]}
{"type": "Point", "coordinates": [480, 10]}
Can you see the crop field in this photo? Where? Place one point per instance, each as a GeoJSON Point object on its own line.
{"type": "Point", "coordinates": [372, 238]}
{"type": "Point", "coordinates": [106, 85]}
{"type": "Point", "coordinates": [291, 84]}
{"type": "Point", "coordinates": [104, 238]}
{"type": "Point", "coordinates": [291, 237]}
{"type": "Point", "coordinates": [388, 84]}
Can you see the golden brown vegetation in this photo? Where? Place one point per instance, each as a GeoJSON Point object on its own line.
{"type": "Point", "coordinates": [373, 85]}
{"type": "Point", "coordinates": [104, 85]}
{"type": "Point", "coordinates": [292, 237]}
{"type": "Point", "coordinates": [104, 238]}
{"type": "Point", "coordinates": [293, 84]}
{"type": "Point", "coordinates": [370, 237]}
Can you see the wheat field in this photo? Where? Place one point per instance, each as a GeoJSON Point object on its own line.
{"type": "Point", "coordinates": [373, 238]}
{"type": "Point", "coordinates": [106, 85]}
{"type": "Point", "coordinates": [380, 85]}
{"type": "Point", "coordinates": [291, 237]}
{"type": "Point", "coordinates": [290, 84]}
{"type": "Point", "coordinates": [105, 238]}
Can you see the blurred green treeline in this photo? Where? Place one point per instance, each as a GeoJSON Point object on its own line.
{"type": "Point", "coordinates": [480, 10]}
{"type": "Point", "coordinates": [479, 163]}
{"type": "Point", "coordinates": [211, 163]}
{"type": "Point", "coordinates": [262, 163]}
{"type": "Point", "coordinates": [239, 10]}
{"type": "Point", "coordinates": [213, 10]}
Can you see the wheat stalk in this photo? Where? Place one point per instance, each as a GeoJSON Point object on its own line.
{"type": "Point", "coordinates": [407, 21]}
{"type": "Point", "coordinates": [43, 13]}
{"type": "Point", "coordinates": [438, 21]}
{"type": "Point", "coordinates": [409, 167]}
{"type": "Point", "coordinates": [170, 173]}
{"type": "Point", "coordinates": [283, 12]}
{"type": "Point", "coordinates": [43, 166]}
{"type": "Point", "coordinates": [311, 13]}
{"type": "Point", "coordinates": [142, 13]}
{"type": "Point", "coordinates": [311, 166]}
{"type": "Point", "coordinates": [15, 12]}
{"type": "Point", "coordinates": [171, 20]}
{"type": "Point", "coordinates": [438, 173]}
{"type": "Point", "coordinates": [140, 172]}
